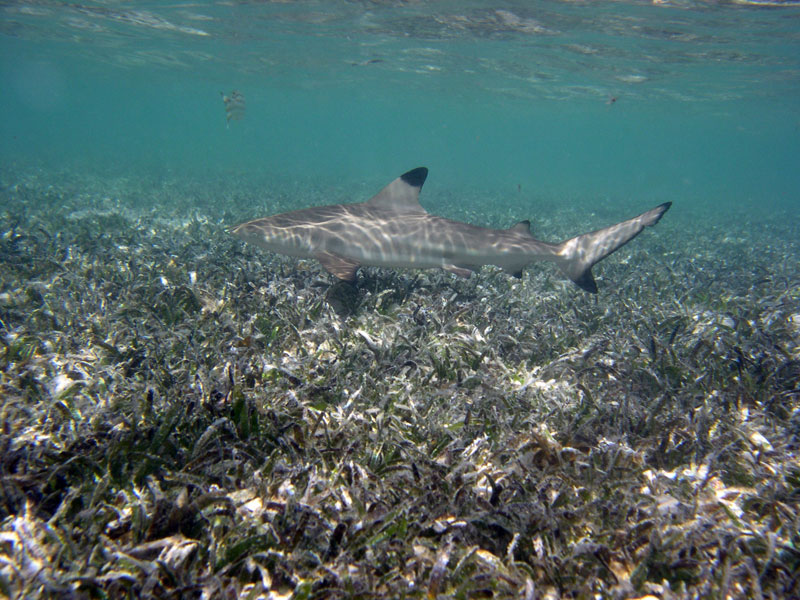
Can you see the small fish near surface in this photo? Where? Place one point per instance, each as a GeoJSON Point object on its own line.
{"type": "Point", "coordinates": [392, 229]}
{"type": "Point", "coordinates": [234, 106]}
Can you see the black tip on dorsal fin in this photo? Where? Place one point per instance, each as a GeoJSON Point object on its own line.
{"type": "Point", "coordinates": [415, 177]}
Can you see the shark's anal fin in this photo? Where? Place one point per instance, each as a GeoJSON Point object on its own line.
{"type": "Point", "coordinates": [514, 270]}
{"type": "Point", "coordinates": [344, 268]}
{"type": "Point", "coordinates": [460, 271]}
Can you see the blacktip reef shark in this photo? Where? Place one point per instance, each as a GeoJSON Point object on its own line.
{"type": "Point", "coordinates": [392, 229]}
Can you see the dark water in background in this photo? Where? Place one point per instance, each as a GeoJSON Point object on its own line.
{"type": "Point", "coordinates": [491, 95]}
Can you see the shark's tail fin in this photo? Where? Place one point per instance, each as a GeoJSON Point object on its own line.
{"type": "Point", "coordinates": [578, 255]}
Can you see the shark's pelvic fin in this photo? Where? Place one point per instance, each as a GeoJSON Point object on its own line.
{"type": "Point", "coordinates": [578, 255]}
{"type": "Point", "coordinates": [402, 195]}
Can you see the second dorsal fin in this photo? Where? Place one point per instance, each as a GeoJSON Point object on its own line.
{"type": "Point", "coordinates": [522, 228]}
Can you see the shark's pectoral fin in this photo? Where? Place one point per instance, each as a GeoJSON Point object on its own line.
{"type": "Point", "coordinates": [460, 271]}
{"type": "Point", "coordinates": [344, 268]}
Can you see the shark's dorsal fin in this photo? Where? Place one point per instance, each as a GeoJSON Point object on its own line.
{"type": "Point", "coordinates": [522, 228]}
{"type": "Point", "coordinates": [402, 195]}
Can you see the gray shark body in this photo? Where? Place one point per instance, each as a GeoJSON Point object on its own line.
{"type": "Point", "coordinates": [392, 229]}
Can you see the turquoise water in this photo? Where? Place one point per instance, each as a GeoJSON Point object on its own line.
{"type": "Point", "coordinates": [504, 96]}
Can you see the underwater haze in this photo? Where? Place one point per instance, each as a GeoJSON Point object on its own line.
{"type": "Point", "coordinates": [186, 415]}
{"type": "Point", "coordinates": [706, 93]}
